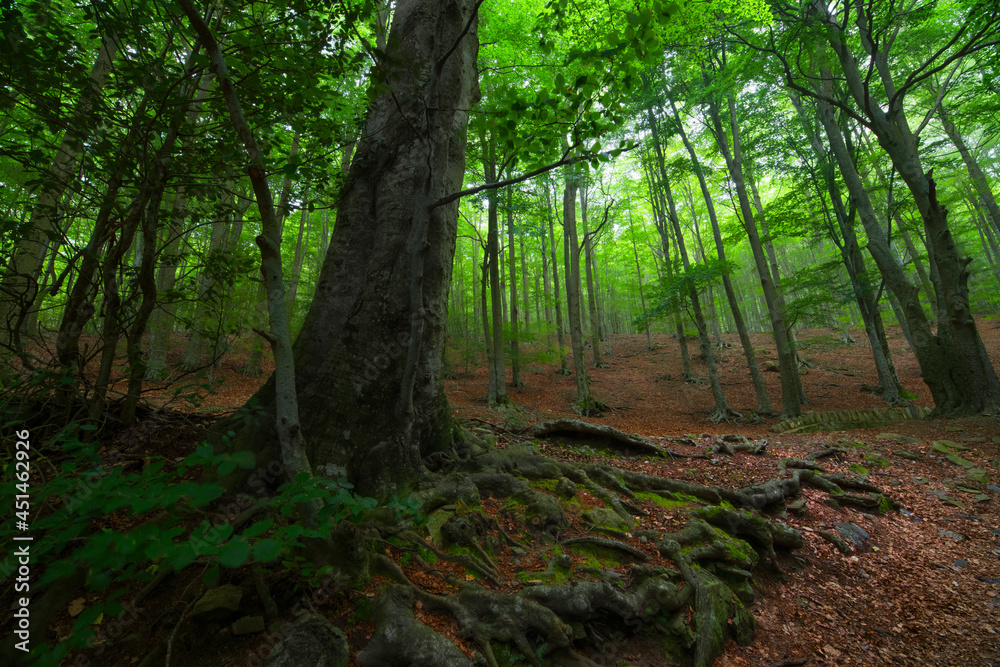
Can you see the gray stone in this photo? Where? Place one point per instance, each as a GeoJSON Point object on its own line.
{"type": "Point", "coordinates": [970, 517]}
{"type": "Point", "coordinates": [217, 604]}
{"type": "Point", "coordinates": [951, 535]}
{"type": "Point", "coordinates": [903, 454]}
{"type": "Point", "coordinates": [310, 640]}
{"type": "Point", "coordinates": [248, 625]}
{"type": "Point", "coordinates": [852, 532]}
{"type": "Point", "coordinates": [993, 487]}
{"type": "Point", "coordinates": [961, 562]}
{"type": "Point", "coordinates": [798, 507]}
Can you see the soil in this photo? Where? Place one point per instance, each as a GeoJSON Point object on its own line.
{"type": "Point", "coordinates": [923, 590]}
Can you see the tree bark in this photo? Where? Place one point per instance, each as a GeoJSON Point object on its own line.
{"type": "Point", "coordinates": [585, 404]}
{"type": "Point", "coordinates": [515, 351]}
{"type": "Point", "coordinates": [588, 259]}
{"type": "Point", "coordinates": [791, 385]}
{"type": "Point", "coordinates": [557, 298]}
{"type": "Point", "coordinates": [497, 389]}
{"type": "Point", "coordinates": [368, 356]}
{"type": "Point", "coordinates": [764, 406]}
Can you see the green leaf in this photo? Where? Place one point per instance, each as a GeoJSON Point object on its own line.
{"type": "Point", "coordinates": [258, 528]}
{"type": "Point", "coordinates": [234, 554]}
{"type": "Point", "coordinates": [266, 550]}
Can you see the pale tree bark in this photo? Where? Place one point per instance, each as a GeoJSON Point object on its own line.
{"type": "Point", "coordinates": [290, 436]}
{"type": "Point", "coordinates": [254, 364]}
{"type": "Point", "coordinates": [557, 294]}
{"type": "Point", "coordinates": [764, 406]}
{"type": "Point", "coordinates": [515, 350]}
{"type": "Point", "coordinates": [18, 288]}
{"type": "Point", "coordinates": [585, 403]}
{"type": "Point", "coordinates": [588, 260]}
{"type": "Point", "coordinates": [368, 356]}
{"type": "Point", "coordinates": [791, 384]}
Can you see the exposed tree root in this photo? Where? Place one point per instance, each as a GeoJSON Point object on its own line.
{"type": "Point", "coordinates": [564, 426]}
{"type": "Point", "coordinates": [693, 609]}
{"type": "Point", "coordinates": [724, 415]}
{"type": "Point", "coordinates": [734, 442]}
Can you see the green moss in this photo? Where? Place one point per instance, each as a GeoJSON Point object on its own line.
{"type": "Point", "coordinates": [878, 459]}
{"type": "Point", "coordinates": [362, 611]}
{"type": "Point", "coordinates": [544, 484]}
{"type": "Point", "coordinates": [665, 502]}
{"type": "Point", "coordinates": [884, 505]}
{"type": "Point", "coordinates": [858, 468]}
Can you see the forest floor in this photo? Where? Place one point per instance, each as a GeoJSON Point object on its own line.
{"type": "Point", "coordinates": [922, 589]}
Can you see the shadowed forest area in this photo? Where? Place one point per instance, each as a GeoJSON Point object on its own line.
{"type": "Point", "coordinates": [465, 332]}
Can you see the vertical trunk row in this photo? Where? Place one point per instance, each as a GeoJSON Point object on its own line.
{"type": "Point", "coordinates": [763, 400]}
{"type": "Point", "coordinates": [585, 403]}
{"type": "Point", "coordinates": [515, 351]}
{"type": "Point", "coordinates": [791, 389]}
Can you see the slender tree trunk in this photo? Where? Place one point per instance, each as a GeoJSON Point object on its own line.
{"type": "Point", "coordinates": [524, 290]}
{"type": "Point", "coordinates": [293, 286]}
{"type": "Point", "coordinates": [722, 410]}
{"type": "Point", "coordinates": [976, 174]}
{"type": "Point", "coordinates": [642, 297]}
{"type": "Point", "coordinates": [585, 403]}
{"type": "Point", "coordinates": [791, 389]}
{"type": "Point", "coordinates": [515, 350]}
{"type": "Point", "coordinates": [763, 400]}
{"type": "Point", "coordinates": [17, 289]}
{"type": "Point", "coordinates": [546, 294]}
{"type": "Point", "coordinates": [497, 392]}
{"type": "Point", "coordinates": [557, 299]}
{"type": "Point", "coordinates": [588, 258]}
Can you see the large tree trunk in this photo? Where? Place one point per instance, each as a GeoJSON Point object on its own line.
{"type": "Point", "coordinates": [368, 356]}
{"type": "Point", "coordinates": [968, 383]}
{"type": "Point", "coordinates": [861, 282]}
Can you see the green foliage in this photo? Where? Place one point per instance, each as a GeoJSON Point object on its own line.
{"type": "Point", "coordinates": [674, 293]}
{"type": "Point", "coordinates": [85, 491]}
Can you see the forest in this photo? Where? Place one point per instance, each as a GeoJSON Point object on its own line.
{"type": "Point", "coordinates": [439, 333]}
